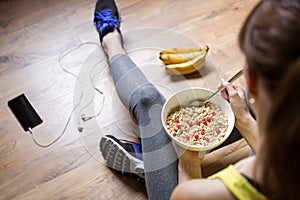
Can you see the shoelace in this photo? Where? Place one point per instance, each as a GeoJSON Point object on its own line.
{"type": "Point", "coordinates": [105, 17]}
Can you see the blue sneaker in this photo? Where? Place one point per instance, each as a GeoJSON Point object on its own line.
{"type": "Point", "coordinates": [123, 156]}
{"type": "Point", "coordinates": [106, 17]}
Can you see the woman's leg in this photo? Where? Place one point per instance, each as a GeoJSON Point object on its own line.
{"type": "Point", "coordinates": [144, 103]}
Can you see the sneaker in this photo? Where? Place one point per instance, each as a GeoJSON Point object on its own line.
{"type": "Point", "coordinates": [106, 17]}
{"type": "Point", "coordinates": [123, 156]}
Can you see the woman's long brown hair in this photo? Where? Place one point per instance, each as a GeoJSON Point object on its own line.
{"type": "Point", "coordinates": [270, 40]}
{"type": "Point", "coordinates": [281, 151]}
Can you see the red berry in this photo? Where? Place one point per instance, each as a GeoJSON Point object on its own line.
{"type": "Point", "coordinates": [190, 124]}
{"type": "Point", "coordinates": [196, 137]}
{"type": "Point", "coordinates": [218, 131]}
{"type": "Point", "coordinates": [187, 137]}
{"type": "Point", "coordinates": [209, 119]}
{"type": "Point", "coordinates": [202, 133]}
{"type": "Point", "coordinates": [179, 126]}
{"type": "Point", "coordinates": [207, 139]}
{"type": "Point", "coordinates": [177, 120]}
{"type": "Point", "coordinates": [213, 113]}
{"type": "Point", "coordinates": [198, 123]}
{"type": "Point", "coordinates": [205, 123]}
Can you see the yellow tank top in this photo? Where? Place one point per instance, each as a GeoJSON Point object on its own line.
{"type": "Point", "coordinates": [237, 184]}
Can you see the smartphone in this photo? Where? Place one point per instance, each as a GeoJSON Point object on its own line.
{"type": "Point", "coordinates": [24, 112]}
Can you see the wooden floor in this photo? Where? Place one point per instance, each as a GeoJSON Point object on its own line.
{"type": "Point", "coordinates": [35, 34]}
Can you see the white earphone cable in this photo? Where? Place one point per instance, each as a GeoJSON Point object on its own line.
{"type": "Point", "coordinates": [82, 116]}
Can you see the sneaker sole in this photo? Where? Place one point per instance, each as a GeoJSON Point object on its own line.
{"type": "Point", "coordinates": [118, 158]}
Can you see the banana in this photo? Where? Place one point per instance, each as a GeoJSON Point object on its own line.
{"type": "Point", "coordinates": [178, 58]}
{"type": "Point", "coordinates": [180, 50]}
{"type": "Point", "coordinates": [190, 66]}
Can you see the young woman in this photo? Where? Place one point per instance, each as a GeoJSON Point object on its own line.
{"type": "Point", "coordinates": [270, 42]}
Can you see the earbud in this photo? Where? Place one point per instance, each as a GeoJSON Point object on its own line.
{"type": "Point", "coordinates": [80, 128]}
{"type": "Point", "coordinates": [84, 118]}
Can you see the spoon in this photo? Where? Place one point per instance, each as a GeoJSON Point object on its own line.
{"type": "Point", "coordinates": [202, 101]}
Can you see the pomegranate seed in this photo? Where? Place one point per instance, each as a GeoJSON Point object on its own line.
{"type": "Point", "coordinates": [190, 124]}
{"type": "Point", "coordinates": [187, 137]}
{"type": "Point", "coordinates": [205, 123]}
{"type": "Point", "coordinates": [209, 119]}
{"type": "Point", "coordinates": [196, 137]}
{"type": "Point", "coordinates": [179, 126]}
{"type": "Point", "coordinates": [202, 133]}
{"type": "Point", "coordinates": [218, 131]}
{"type": "Point", "coordinates": [198, 123]}
{"type": "Point", "coordinates": [177, 120]}
{"type": "Point", "coordinates": [213, 113]}
{"type": "Point", "coordinates": [207, 139]}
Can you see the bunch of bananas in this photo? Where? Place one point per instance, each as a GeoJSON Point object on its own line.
{"type": "Point", "coordinates": [183, 61]}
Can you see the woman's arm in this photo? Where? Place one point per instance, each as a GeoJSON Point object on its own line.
{"type": "Point", "coordinates": [244, 122]}
{"type": "Point", "coordinates": [211, 188]}
{"type": "Point", "coordinates": [248, 128]}
{"type": "Point", "coordinates": [189, 166]}
{"type": "Point", "coordinates": [201, 189]}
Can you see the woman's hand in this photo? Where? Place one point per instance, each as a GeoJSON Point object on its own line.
{"type": "Point", "coordinates": [244, 122]}
{"type": "Point", "coordinates": [189, 165]}
{"type": "Point", "coordinates": [192, 158]}
{"type": "Point", "coordinates": [235, 95]}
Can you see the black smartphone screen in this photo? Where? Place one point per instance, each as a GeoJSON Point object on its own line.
{"type": "Point", "coordinates": [24, 112]}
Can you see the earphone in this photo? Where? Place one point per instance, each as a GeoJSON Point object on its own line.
{"type": "Point", "coordinates": [82, 117]}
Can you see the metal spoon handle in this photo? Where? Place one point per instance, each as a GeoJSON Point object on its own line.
{"type": "Point", "coordinates": [232, 79]}
{"type": "Point", "coordinates": [236, 76]}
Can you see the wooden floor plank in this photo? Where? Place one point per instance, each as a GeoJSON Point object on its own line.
{"type": "Point", "coordinates": [34, 34]}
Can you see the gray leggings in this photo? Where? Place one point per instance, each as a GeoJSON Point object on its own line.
{"type": "Point", "coordinates": [144, 103]}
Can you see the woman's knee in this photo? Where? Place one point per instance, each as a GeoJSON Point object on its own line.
{"type": "Point", "coordinates": [143, 99]}
{"type": "Point", "coordinates": [148, 95]}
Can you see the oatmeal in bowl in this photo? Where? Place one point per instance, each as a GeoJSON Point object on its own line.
{"type": "Point", "coordinates": [197, 127]}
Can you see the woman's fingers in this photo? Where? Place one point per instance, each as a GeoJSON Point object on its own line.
{"type": "Point", "coordinates": [241, 92]}
{"type": "Point", "coordinates": [224, 93]}
{"type": "Point", "coordinates": [230, 90]}
{"type": "Point", "coordinates": [237, 99]}
{"type": "Point", "coordinates": [186, 154]}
